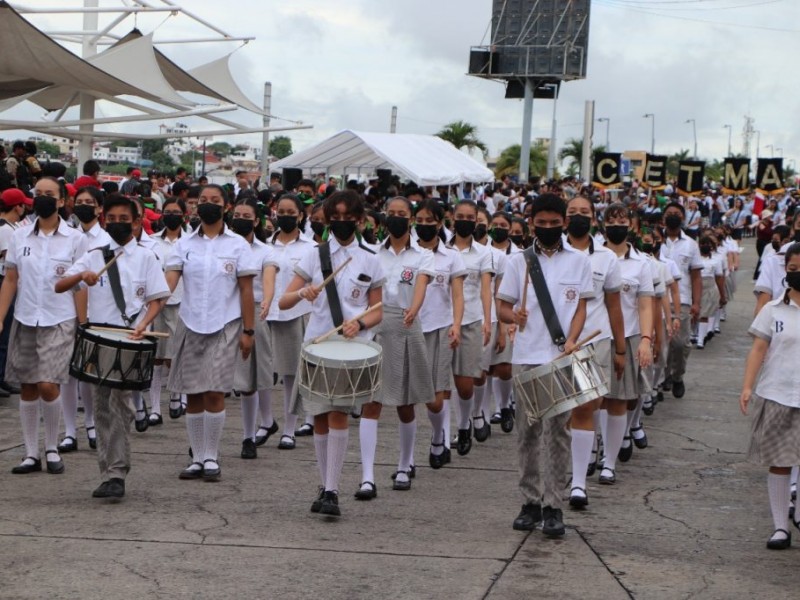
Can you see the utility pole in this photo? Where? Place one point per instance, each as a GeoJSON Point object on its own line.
{"type": "Point", "coordinates": [264, 136]}
{"type": "Point", "coordinates": [525, 146]}
{"type": "Point", "coordinates": [89, 49]}
{"type": "Point", "coordinates": [652, 132]}
{"type": "Point", "coordinates": [393, 124]}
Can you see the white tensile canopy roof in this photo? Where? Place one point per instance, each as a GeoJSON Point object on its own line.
{"type": "Point", "coordinates": [217, 75]}
{"type": "Point", "coordinates": [424, 159]}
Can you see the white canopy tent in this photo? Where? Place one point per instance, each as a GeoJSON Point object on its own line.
{"type": "Point", "coordinates": [423, 159]}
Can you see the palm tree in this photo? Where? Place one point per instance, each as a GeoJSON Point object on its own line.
{"type": "Point", "coordinates": [462, 134]}
{"type": "Point", "coordinates": [672, 162]}
{"type": "Point", "coordinates": [508, 162]}
{"type": "Point", "coordinates": [573, 151]}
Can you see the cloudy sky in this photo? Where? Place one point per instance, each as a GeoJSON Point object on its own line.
{"type": "Point", "coordinates": [343, 64]}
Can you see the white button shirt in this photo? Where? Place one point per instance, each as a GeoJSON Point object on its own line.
{"type": "Point", "coordinates": [96, 236]}
{"type": "Point", "coordinates": [362, 273]}
{"type": "Point", "coordinates": [40, 261]}
{"type": "Point", "coordinates": [211, 268]}
{"type": "Point", "coordinates": [401, 271]}
{"type": "Point", "coordinates": [6, 231]}
{"type": "Point", "coordinates": [141, 279]}
{"type": "Point", "coordinates": [772, 276]}
{"type": "Point", "coordinates": [606, 278]}
{"type": "Point", "coordinates": [437, 309]}
{"type": "Point", "coordinates": [711, 267]}
{"type": "Point", "coordinates": [263, 256]}
{"type": "Point", "coordinates": [477, 260]}
{"type": "Point", "coordinates": [499, 258]}
{"type": "Point", "coordinates": [165, 248]}
{"type": "Point", "coordinates": [637, 281]}
{"type": "Point", "coordinates": [684, 252]}
{"type": "Point", "coordinates": [288, 256]}
{"type": "Point", "coordinates": [568, 274]}
{"type": "Point", "coordinates": [779, 324]}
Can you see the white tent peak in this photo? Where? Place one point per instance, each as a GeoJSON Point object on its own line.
{"type": "Point", "coordinates": [217, 76]}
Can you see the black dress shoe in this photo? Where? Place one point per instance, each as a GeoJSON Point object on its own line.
{"type": "Point", "coordinates": [412, 472]}
{"type": "Point", "coordinates": [553, 524]}
{"type": "Point", "coordinates": [641, 442]}
{"type": "Point", "coordinates": [143, 423]}
{"type": "Point", "coordinates": [116, 487]}
{"type": "Point", "coordinates": [678, 389]}
{"type": "Point", "coordinates": [447, 456]}
{"type": "Point", "coordinates": [23, 469]}
{"type": "Point", "coordinates": [330, 505]}
{"type": "Point", "coordinates": [483, 432]}
{"type": "Point", "coordinates": [780, 544]}
{"type": "Point", "coordinates": [249, 449]}
{"type": "Point", "coordinates": [316, 505]}
{"type": "Point", "coordinates": [212, 473]}
{"type": "Point", "coordinates": [506, 420]}
{"type": "Point", "coordinates": [193, 471]}
{"type": "Point", "coordinates": [67, 445]}
{"type": "Point", "coordinates": [578, 500]}
{"type": "Point", "coordinates": [648, 406]}
{"type": "Point", "coordinates": [154, 420]}
{"type": "Point", "coordinates": [271, 430]}
{"type": "Point", "coordinates": [287, 442]}
{"type": "Point", "coordinates": [464, 444]}
{"type": "Point", "coordinates": [401, 486]}
{"type": "Point", "coordinates": [592, 465]}
{"type": "Point", "coordinates": [436, 461]}
{"type": "Point", "coordinates": [175, 407]}
{"type": "Point", "coordinates": [92, 439]}
{"type": "Point", "coordinates": [7, 387]}
{"type": "Point", "coordinates": [101, 491]}
{"type": "Point", "coordinates": [607, 476]}
{"type": "Point", "coordinates": [660, 396]}
{"type": "Point", "coordinates": [54, 467]}
{"type": "Point", "coordinates": [362, 494]}
{"type": "Point", "coordinates": [666, 386]}
{"type": "Point", "coordinates": [529, 517]}
{"type": "Point", "coordinates": [495, 419]}
{"type": "Point", "coordinates": [304, 430]}
{"type": "Point", "coordinates": [625, 452]}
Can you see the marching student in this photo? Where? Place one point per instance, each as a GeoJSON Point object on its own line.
{"type": "Point", "coordinates": [289, 245]}
{"type": "Point", "coordinates": [144, 290]}
{"type": "Point", "coordinates": [713, 278]}
{"type": "Point", "coordinates": [603, 313]}
{"type": "Point", "coordinates": [43, 331]}
{"type": "Point", "coordinates": [253, 377]}
{"type": "Point", "coordinates": [408, 268]}
{"type": "Point", "coordinates": [567, 275]}
{"type": "Point", "coordinates": [13, 206]}
{"type": "Point", "coordinates": [771, 282]}
{"type": "Point", "coordinates": [774, 396]}
{"type": "Point", "coordinates": [216, 317]}
{"type": "Point", "coordinates": [476, 327]}
{"type": "Point", "coordinates": [440, 316]}
{"type": "Point", "coordinates": [358, 286]}
{"type": "Point", "coordinates": [637, 314]}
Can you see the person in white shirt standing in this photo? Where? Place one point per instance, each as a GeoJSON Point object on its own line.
{"type": "Point", "coordinates": [144, 290]}
{"type": "Point", "coordinates": [216, 314]}
{"type": "Point", "coordinates": [43, 332]}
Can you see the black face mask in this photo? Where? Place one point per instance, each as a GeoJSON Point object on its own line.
{"type": "Point", "coordinates": [480, 232]}
{"type": "Point", "coordinates": [119, 232]}
{"type": "Point", "coordinates": [84, 212]}
{"type": "Point", "coordinates": [516, 239]}
{"type": "Point", "coordinates": [464, 228]}
{"type": "Point", "coordinates": [369, 236]}
{"type": "Point", "coordinates": [448, 223]}
{"type": "Point", "coordinates": [548, 236]}
{"type": "Point", "coordinates": [673, 221]}
{"type": "Point", "coordinates": [426, 232]}
{"type": "Point", "coordinates": [776, 246]}
{"type": "Point", "coordinates": [287, 223]}
{"type": "Point", "coordinates": [499, 235]}
{"type": "Point", "coordinates": [397, 226]}
{"type": "Point", "coordinates": [172, 222]}
{"type": "Point", "coordinates": [616, 234]}
{"type": "Point", "coordinates": [194, 222]}
{"type": "Point", "coordinates": [648, 248]}
{"type": "Point", "coordinates": [579, 225]}
{"type": "Point", "coordinates": [793, 280]}
{"type": "Point", "coordinates": [318, 228]}
{"type": "Point", "coordinates": [209, 213]}
{"type": "Point", "coordinates": [342, 230]}
{"type": "Point", "coordinates": [243, 227]}
{"type": "Point", "coordinates": [705, 249]}
{"type": "Point", "coordinates": [44, 206]}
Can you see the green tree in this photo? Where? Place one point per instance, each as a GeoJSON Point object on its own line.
{"type": "Point", "coordinates": [280, 146]}
{"type": "Point", "coordinates": [52, 150]}
{"type": "Point", "coordinates": [124, 143]}
{"type": "Point", "coordinates": [572, 151]}
{"type": "Point", "coordinates": [674, 159]}
{"type": "Point", "coordinates": [462, 135]}
{"type": "Point", "coordinates": [714, 170]}
{"type": "Point", "coordinates": [508, 162]}
{"type": "Point", "coordinates": [162, 161]}
{"type": "Point", "coordinates": [220, 149]}
{"type": "Point", "coordinates": [188, 158]}
{"type": "Point", "coordinates": [152, 147]}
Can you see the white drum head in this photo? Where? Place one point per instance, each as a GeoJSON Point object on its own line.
{"type": "Point", "coordinates": [118, 336]}
{"type": "Point", "coordinates": [340, 350]}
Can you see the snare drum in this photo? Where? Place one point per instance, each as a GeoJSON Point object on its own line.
{"type": "Point", "coordinates": [111, 359]}
{"type": "Point", "coordinates": [561, 385]}
{"type": "Point", "coordinates": [340, 372]}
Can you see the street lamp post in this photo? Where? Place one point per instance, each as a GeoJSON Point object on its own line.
{"type": "Point", "coordinates": [771, 150]}
{"type": "Point", "coordinates": [779, 151]}
{"type": "Point", "coordinates": [694, 130]}
{"type": "Point", "coordinates": [607, 121]}
{"type": "Point", "coordinates": [730, 131]}
{"type": "Point", "coordinates": [652, 132]}
{"type": "Point", "coordinates": [758, 142]}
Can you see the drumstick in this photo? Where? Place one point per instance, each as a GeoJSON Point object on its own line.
{"type": "Point", "coordinates": [158, 334]}
{"type": "Point", "coordinates": [325, 336]}
{"type": "Point", "coordinates": [525, 296]}
{"type": "Point", "coordinates": [328, 279]}
{"type": "Point", "coordinates": [108, 264]}
{"type": "Point", "coordinates": [580, 343]}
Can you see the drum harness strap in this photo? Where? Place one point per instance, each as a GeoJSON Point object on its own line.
{"type": "Point", "coordinates": [545, 301]}
{"type": "Point", "coordinates": [330, 289]}
{"type": "Point", "coordinates": [116, 286]}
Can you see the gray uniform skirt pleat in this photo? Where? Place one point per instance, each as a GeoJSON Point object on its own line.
{"type": "Point", "coordinates": [255, 373]}
{"type": "Point", "coordinates": [405, 361]}
{"type": "Point", "coordinates": [167, 322]}
{"type": "Point", "coordinates": [204, 362]}
{"type": "Point", "coordinates": [709, 300]}
{"type": "Point", "coordinates": [774, 434]}
{"type": "Point", "coordinates": [440, 358]}
{"type": "Point", "coordinates": [287, 341]}
{"type": "Point", "coordinates": [467, 356]}
{"type": "Point", "coordinates": [40, 354]}
{"type": "Point", "coordinates": [490, 356]}
{"type": "Point", "coordinates": [627, 388]}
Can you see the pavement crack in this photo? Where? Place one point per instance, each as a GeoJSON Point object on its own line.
{"type": "Point", "coordinates": [608, 568]}
{"type": "Point", "coordinates": [506, 563]}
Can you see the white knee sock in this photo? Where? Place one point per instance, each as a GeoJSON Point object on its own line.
{"type": "Point", "coordinates": [501, 388]}
{"type": "Point", "coordinates": [631, 415]}
{"type": "Point", "coordinates": [779, 499]}
{"type": "Point", "coordinates": [581, 455]}
{"type": "Point", "coordinates": [702, 331]}
{"type": "Point", "coordinates": [249, 408]}
{"type": "Point", "coordinates": [29, 419]}
{"type": "Point", "coordinates": [265, 408]}
{"type": "Point", "coordinates": [214, 424]}
{"type": "Point", "coordinates": [793, 476]}
{"type": "Point", "coordinates": [488, 390]}
{"type": "Point", "coordinates": [69, 405]}
{"type": "Point", "coordinates": [138, 403]}
{"type": "Point", "coordinates": [196, 429]}
{"type": "Point", "coordinates": [465, 410]}
{"type": "Point", "coordinates": [616, 431]}
{"type": "Point", "coordinates": [636, 421]}
{"type": "Point", "coordinates": [155, 390]}
{"type": "Point", "coordinates": [321, 449]}
{"type": "Point", "coordinates": [337, 450]}
{"type": "Point", "coordinates": [596, 420]}
{"type": "Point", "coordinates": [88, 403]}
{"type": "Point", "coordinates": [408, 435]}
{"type": "Point", "coordinates": [478, 396]}
{"type": "Point", "coordinates": [368, 441]}
{"type": "Point", "coordinates": [603, 418]}
{"type": "Point", "coordinates": [51, 411]}
{"type": "Point", "coordinates": [290, 420]}
{"type": "Point", "coordinates": [446, 416]}
{"type": "Point", "coordinates": [437, 425]}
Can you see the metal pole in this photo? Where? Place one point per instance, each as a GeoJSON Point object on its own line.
{"type": "Point", "coordinates": [265, 135]}
{"type": "Point", "coordinates": [607, 121]}
{"type": "Point", "coordinates": [90, 20]}
{"type": "Point", "coordinates": [525, 147]}
{"type": "Point", "coordinates": [730, 132]}
{"type": "Point", "coordinates": [203, 171]}
{"type": "Point", "coordinates": [393, 124]}
{"type": "Point", "coordinates": [551, 154]}
{"type": "Point", "coordinates": [588, 131]}
{"type": "Point", "coordinates": [758, 143]}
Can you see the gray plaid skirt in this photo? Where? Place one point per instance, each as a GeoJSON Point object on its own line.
{"type": "Point", "coordinates": [405, 361]}
{"type": "Point", "coordinates": [709, 300]}
{"type": "Point", "coordinates": [467, 356]}
{"type": "Point", "coordinates": [774, 434]}
{"type": "Point", "coordinates": [490, 356]}
{"type": "Point", "coordinates": [204, 362]}
{"type": "Point", "coordinates": [40, 354]}
{"type": "Point", "coordinates": [627, 388]}
{"type": "Point", "coordinates": [255, 373]}
{"type": "Point", "coordinates": [287, 341]}
{"type": "Point", "coordinates": [167, 322]}
{"type": "Point", "coordinates": [440, 358]}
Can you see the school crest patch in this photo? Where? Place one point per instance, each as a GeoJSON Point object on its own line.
{"type": "Point", "coordinates": [407, 275]}
{"type": "Point", "coordinates": [440, 278]}
{"type": "Point", "coordinates": [230, 267]}
{"type": "Point", "coordinates": [355, 294]}
{"type": "Point", "coordinates": [140, 292]}
{"type": "Point", "coordinates": [570, 294]}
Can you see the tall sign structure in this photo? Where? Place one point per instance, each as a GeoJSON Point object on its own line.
{"type": "Point", "coordinates": [535, 46]}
